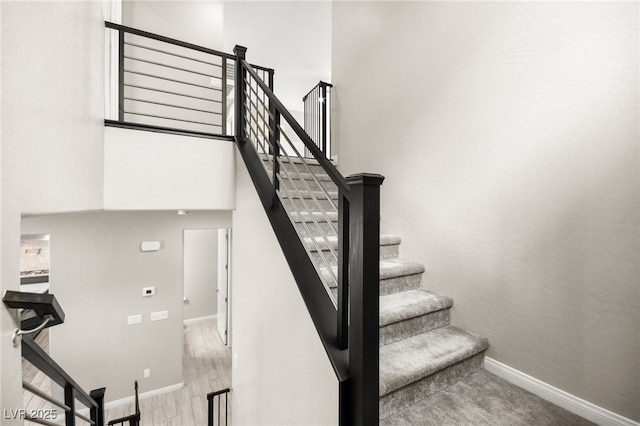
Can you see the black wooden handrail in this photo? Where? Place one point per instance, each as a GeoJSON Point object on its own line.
{"type": "Point", "coordinates": [175, 42]}
{"type": "Point", "coordinates": [320, 83]}
{"type": "Point", "coordinates": [348, 330]}
{"type": "Point", "coordinates": [169, 40]}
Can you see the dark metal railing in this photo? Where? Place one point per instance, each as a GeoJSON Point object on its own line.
{"type": "Point", "coordinates": [317, 116]}
{"type": "Point", "coordinates": [72, 391]}
{"type": "Point", "coordinates": [133, 419]}
{"type": "Point", "coordinates": [164, 84]}
{"type": "Point", "coordinates": [49, 313]}
{"type": "Point", "coordinates": [340, 286]}
{"type": "Point", "coordinates": [222, 411]}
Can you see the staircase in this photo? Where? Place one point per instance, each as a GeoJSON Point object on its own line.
{"type": "Point", "coordinates": [420, 352]}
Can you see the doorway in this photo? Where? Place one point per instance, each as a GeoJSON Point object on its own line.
{"type": "Point", "coordinates": [206, 277]}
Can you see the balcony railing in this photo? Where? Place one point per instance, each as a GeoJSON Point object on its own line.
{"type": "Point", "coordinates": [163, 84]}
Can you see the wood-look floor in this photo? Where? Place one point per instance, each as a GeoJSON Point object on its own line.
{"type": "Point", "coordinates": [206, 364]}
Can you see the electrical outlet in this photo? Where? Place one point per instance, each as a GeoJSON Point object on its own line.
{"type": "Point", "coordinates": [148, 291]}
{"type": "Point", "coordinates": [134, 319]}
{"type": "Point", "coordinates": [160, 315]}
{"type": "Point", "coordinates": [146, 373]}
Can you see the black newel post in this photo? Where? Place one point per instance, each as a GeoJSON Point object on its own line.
{"type": "Point", "coordinates": [240, 52]}
{"type": "Point", "coordinates": [364, 296]}
{"type": "Point", "coordinates": [97, 413]}
{"type": "Point", "coordinates": [343, 275]}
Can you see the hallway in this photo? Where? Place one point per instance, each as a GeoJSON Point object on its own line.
{"type": "Point", "coordinates": [206, 367]}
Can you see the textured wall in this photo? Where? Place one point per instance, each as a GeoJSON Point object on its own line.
{"type": "Point", "coordinates": [508, 135]}
{"type": "Point", "coordinates": [197, 22]}
{"type": "Point", "coordinates": [282, 375]}
{"type": "Point", "coordinates": [97, 275]}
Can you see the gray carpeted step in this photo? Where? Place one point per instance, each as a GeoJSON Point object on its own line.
{"type": "Point", "coordinates": [412, 312]}
{"type": "Point", "coordinates": [292, 164]}
{"type": "Point", "coordinates": [306, 182]}
{"type": "Point", "coordinates": [309, 201]}
{"type": "Point", "coordinates": [325, 247]}
{"type": "Point", "coordinates": [416, 367]}
{"type": "Point", "coordinates": [396, 275]}
{"type": "Point", "coordinates": [315, 224]}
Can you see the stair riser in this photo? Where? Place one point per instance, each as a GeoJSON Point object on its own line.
{"type": "Point", "coordinates": [414, 326]}
{"type": "Point", "coordinates": [386, 252]}
{"type": "Point", "coordinates": [308, 185]}
{"type": "Point", "coordinates": [421, 389]}
{"type": "Point", "coordinates": [398, 284]}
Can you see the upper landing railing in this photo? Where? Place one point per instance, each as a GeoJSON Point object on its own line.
{"type": "Point", "coordinates": [163, 84]}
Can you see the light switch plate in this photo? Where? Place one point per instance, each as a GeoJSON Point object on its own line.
{"type": "Point", "coordinates": [134, 319]}
{"type": "Point", "coordinates": [160, 315]}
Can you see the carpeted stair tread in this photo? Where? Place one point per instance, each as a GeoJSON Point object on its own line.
{"type": "Point", "coordinates": [408, 304]}
{"type": "Point", "coordinates": [414, 358]}
{"type": "Point", "coordinates": [317, 216]}
{"type": "Point", "coordinates": [300, 175]}
{"type": "Point", "coordinates": [308, 195]}
{"type": "Point", "coordinates": [323, 243]}
{"type": "Point", "coordinates": [391, 268]}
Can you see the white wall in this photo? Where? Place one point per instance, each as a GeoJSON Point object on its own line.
{"type": "Point", "coordinates": [283, 375]}
{"type": "Point", "coordinates": [97, 275]}
{"type": "Point", "coordinates": [200, 273]}
{"type": "Point", "coordinates": [156, 171]}
{"type": "Point", "coordinates": [197, 22]}
{"type": "Point", "coordinates": [52, 136]}
{"type": "Point", "coordinates": [508, 135]}
{"type": "Point", "coordinates": [293, 38]}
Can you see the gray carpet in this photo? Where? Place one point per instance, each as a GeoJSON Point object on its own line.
{"type": "Point", "coordinates": [485, 399]}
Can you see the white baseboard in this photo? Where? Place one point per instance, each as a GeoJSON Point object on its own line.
{"type": "Point", "coordinates": [192, 320]}
{"type": "Point", "coordinates": [589, 411]}
{"type": "Point", "coordinates": [144, 395]}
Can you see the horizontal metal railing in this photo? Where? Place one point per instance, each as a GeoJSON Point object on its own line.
{"type": "Point", "coordinates": [46, 312]}
{"type": "Point", "coordinates": [168, 84]}
{"type": "Point", "coordinates": [73, 393]}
